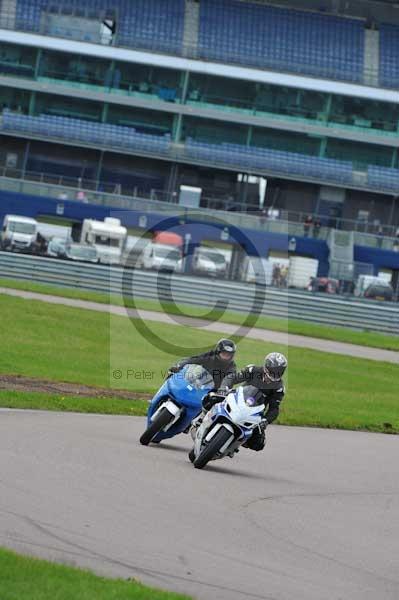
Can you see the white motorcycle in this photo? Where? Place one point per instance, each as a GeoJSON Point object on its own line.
{"type": "Point", "coordinates": [226, 426]}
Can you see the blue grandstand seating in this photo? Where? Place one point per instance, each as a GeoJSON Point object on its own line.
{"type": "Point", "coordinates": [339, 171]}
{"type": "Point", "coordinates": [389, 52]}
{"type": "Point", "coordinates": [153, 24]}
{"type": "Point", "coordinates": [383, 178]}
{"type": "Point", "coordinates": [229, 31]}
{"type": "Point", "coordinates": [266, 36]}
{"type": "Point", "coordinates": [87, 132]}
{"type": "Point", "coordinates": [28, 14]}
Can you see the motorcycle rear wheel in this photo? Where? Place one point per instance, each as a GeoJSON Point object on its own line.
{"type": "Point", "coordinates": [162, 420]}
{"type": "Point", "coordinates": [211, 449]}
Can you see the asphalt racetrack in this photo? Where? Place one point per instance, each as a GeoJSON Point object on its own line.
{"type": "Point", "coordinates": [313, 517]}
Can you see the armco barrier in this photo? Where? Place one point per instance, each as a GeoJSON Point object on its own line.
{"type": "Point", "coordinates": [292, 304]}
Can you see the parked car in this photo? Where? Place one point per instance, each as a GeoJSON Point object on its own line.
{"type": "Point", "coordinates": [324, 284]}
{"type": "Point", "coordinates": [81, 252]}
{"type": "Point", "coordinates": [57, 247]}
{"type": "Point", "coordinates": [365, 281]}
{"type": "Point", "coordinates": [379, 291]}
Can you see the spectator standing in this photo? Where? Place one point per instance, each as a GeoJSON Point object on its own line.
{"type": "Point", "coordinates": [81, 196]}
{"type": "Point", "coordinates": [263, 217]}
{"type": "Point", "coordinates": [284, 276]}
{"type": "Point", "coordinates": [109, 75]}
{"type": "Point", "coordinates": [276, 276]}
{"type": "Point", "coordinates": [380, 234]}
{"type": "Point", "coordinates": [307, 225]}
{"type": "Point", "coordinates": [316, 228]}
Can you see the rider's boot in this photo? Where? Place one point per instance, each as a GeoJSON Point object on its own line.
{"type": "Point", "coordinates": [195, 423]}
{"type": "Point", "coordinates": [231, 454]}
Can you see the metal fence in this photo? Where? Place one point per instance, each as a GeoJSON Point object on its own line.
{"type": "Point", "coordinates": [101, 191]}
{"type": "Point", "coordinates": [243, 298]}
{"type": "Point", "coordinates": [289, 222]}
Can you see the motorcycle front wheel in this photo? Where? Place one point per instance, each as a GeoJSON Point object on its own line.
{"type": "Point", "coordinates": [212, 448]}
{"type": "Point", "coordinates": [162, 420]}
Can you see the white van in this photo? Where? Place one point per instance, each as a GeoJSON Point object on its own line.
{"type": "Point", "coordinates": [18, 233]}
{"type": "Point", "coordinates": [301, 271]}
{"type": "Point", "coordinates": [255, 269]}
{"type": "Point", "coordinates": [209, 261]}
{"type": "Point", "coordinates": [160, 257]}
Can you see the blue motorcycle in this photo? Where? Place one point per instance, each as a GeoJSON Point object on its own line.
{"type": "Point", "coordinates": [177, 403]}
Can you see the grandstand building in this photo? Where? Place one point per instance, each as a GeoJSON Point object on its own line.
{"type": "Point", "coordinates": [142, 96]}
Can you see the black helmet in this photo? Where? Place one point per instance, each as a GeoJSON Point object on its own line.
{"type": "Point", "coordinates": [274, 366]}
{"type": "Point", "coordinates": [225, 345]}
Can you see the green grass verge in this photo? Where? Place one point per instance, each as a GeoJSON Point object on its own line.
{"type": "Point", "coordinates": [83, 346]}
{"type": "Point", "coordinates": [42, 401]}
{"type": "Point", "coordinates": [336, 416]}
{"type": "Point", "coordinates": [25, 578]}
{"type": "Point", "coordinates": [339, 334]}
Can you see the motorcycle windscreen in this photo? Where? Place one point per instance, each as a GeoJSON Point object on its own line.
{"type": "Point", "coordinates": [252, 395]}
{"type": "Point", "coordinates": [191, 384]}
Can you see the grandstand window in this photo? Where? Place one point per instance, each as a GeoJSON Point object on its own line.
{"type": "Point", "coordinates": [360, 154]}
{"type": "Point", "coordinates": [286, 141]}
{"type": "Point", "coordinates": [223, 91]}
{"type": "Point", "coordinates": [63, 106]}
{"type": "Point", "coordinates": [130, 77]}
{"type": "Point", "coordinates": [364, 113]}
{"type": "Point", "coordinates": [214, 131]}
{"type": "Point", "coordinates": [143, 121]}
{"type": "Point", "coordinates": [73, 67]}
{"type": "Point", "coordinates": [15, 100]}
{"type": "Point", "coordinates": [17, 60]}
{"type": "Point", "coordinates": [146, 79]}
{"type": "Point", "coordinates": [256, 97]}
{"type": "Point", "coordinates": [289, 101]}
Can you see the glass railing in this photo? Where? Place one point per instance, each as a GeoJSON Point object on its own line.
{"type": "Point", "coordinates": [133, 90]}
{"type": "Point", "coordinates": [290, 223]}
{"type": "Point", "coordinates": [315, 118]}
{"type": "Point", "coordinates": [16, 69]}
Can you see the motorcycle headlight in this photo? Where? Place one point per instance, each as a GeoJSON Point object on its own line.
{"type": "Point", "coordinates": [250, 401]}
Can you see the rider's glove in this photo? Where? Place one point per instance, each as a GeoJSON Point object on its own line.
{"type": "Point", "coordinates": [209, 400]}
{"type": "Point", "coordinates": [222, 391]}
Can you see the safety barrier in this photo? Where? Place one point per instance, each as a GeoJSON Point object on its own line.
{"type": "Point", "coordinates": [235, 296]}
